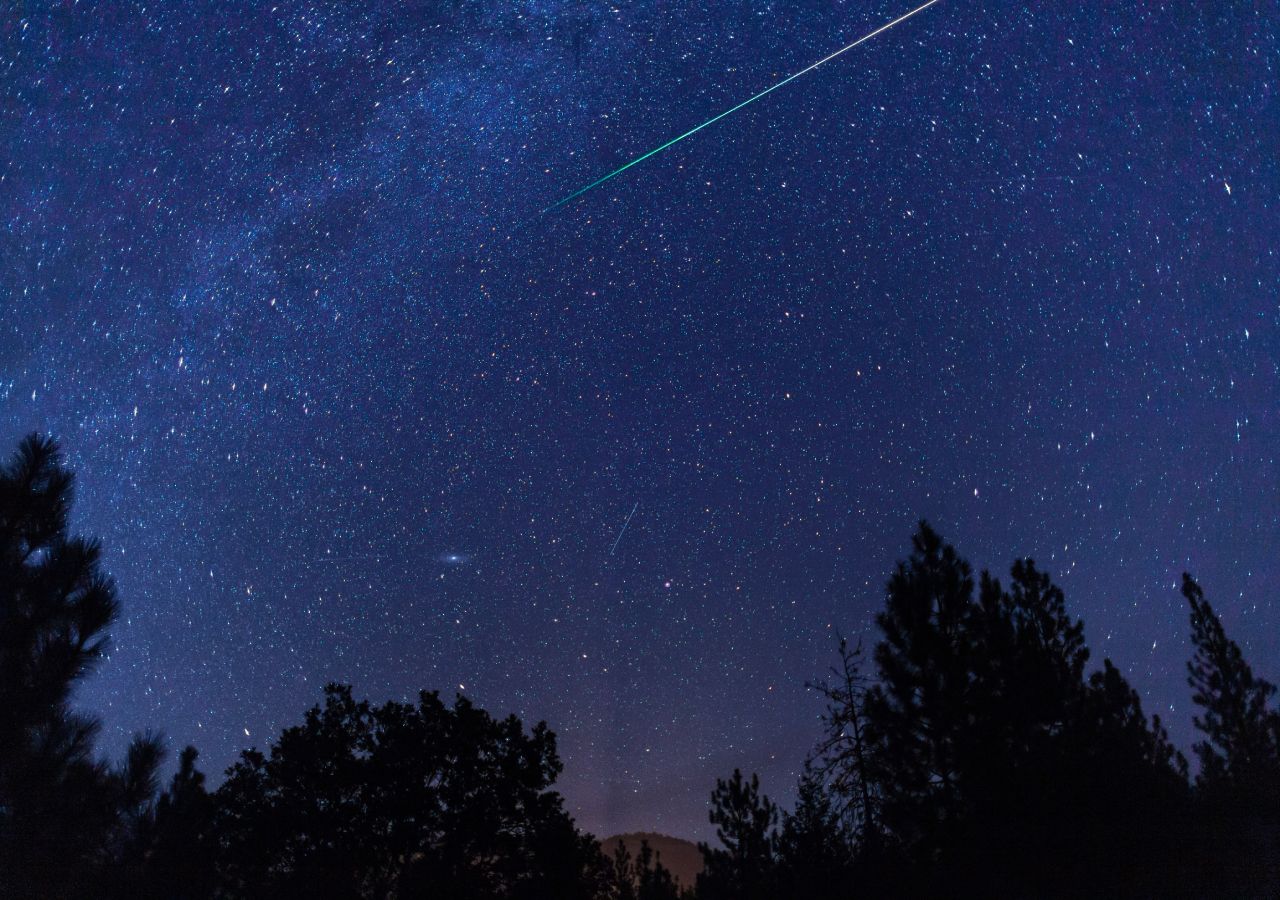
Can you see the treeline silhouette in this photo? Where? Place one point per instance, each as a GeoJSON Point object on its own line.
{"type": "Point", "coordinates": [972, 753]}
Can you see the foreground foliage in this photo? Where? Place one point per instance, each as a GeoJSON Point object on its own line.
{"type": "Point", "coordinates": [63, 812]}
{"type": "Point", "coordinates": [980, 757]}
{"type": "Point", "coordinates": [976, 754]}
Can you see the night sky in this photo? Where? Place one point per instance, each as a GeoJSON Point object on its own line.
{"type": "Point", "coordinates": [343, 405]}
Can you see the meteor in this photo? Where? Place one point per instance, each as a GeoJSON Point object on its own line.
{"type": "Point", "coordinates": [769, 90]}
{"type": "Point", "coordinates": [624, 528]}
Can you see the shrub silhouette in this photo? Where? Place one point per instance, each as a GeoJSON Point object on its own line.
{"type": "Point", "coordinates": [400, 800]}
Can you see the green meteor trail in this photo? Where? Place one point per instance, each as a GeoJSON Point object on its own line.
{"type": "Point", "coordinates": [769, 90]}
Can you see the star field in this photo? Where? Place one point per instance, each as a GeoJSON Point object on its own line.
{"type": "Point", "coordinates": [343, 405]}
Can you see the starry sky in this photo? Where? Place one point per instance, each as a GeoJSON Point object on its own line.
{"type": "Point", "coordinates": [345, 405]}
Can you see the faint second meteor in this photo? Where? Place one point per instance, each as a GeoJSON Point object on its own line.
{"type": "Point", "coordinates": [624, 528]}
{"type": "Point", "coordinates": [692, 131]}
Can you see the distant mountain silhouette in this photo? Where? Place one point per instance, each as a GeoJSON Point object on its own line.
{"type": "Point", "coordinates": [682, 858]}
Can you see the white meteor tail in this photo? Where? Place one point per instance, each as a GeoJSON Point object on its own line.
{"type": "Point", "coordinates": [769, 90]}
{"type": "Point", "coordinates": [624, 528]}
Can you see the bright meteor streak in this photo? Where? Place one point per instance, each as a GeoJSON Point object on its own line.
{"type": "Point", "coordinates": [769, 90]}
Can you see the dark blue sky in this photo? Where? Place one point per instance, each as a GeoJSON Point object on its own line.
{"type": "Point", "coordinates": [344, 406]}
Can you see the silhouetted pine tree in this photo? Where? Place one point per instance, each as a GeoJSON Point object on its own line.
{"type": "Point", "coordinates": [1028, 668]}
{"type": "Point", "coordinates": [815, 847]}
{"type": "Point", "coordinates": [1124, 795]}
{"type": "Point", "coordinates": [63, 813]}
{"type": "Point", "coordinates": [919, 708]}
{"type": "Point", "coordinates": [845, 755]}
{"type": "Point", "coordinates": [1025, 696]}
{"type": "Point", "coordinates": [641, 878]}
{"type": "Point", "coordinates": [653, 880]}
{"type": "Point", "coordinates": [169, 854]}
{"type": "Point", "coordinates": [1238, 785]}
{"type": "Point", "coordinates": [621, 875]}
{"type": "Point", "coordinates": [1000, 766]}
{"type": "Point", "coordinates": [744, 867]}
{"type": "Point", "coordinates": [1242, 731]}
